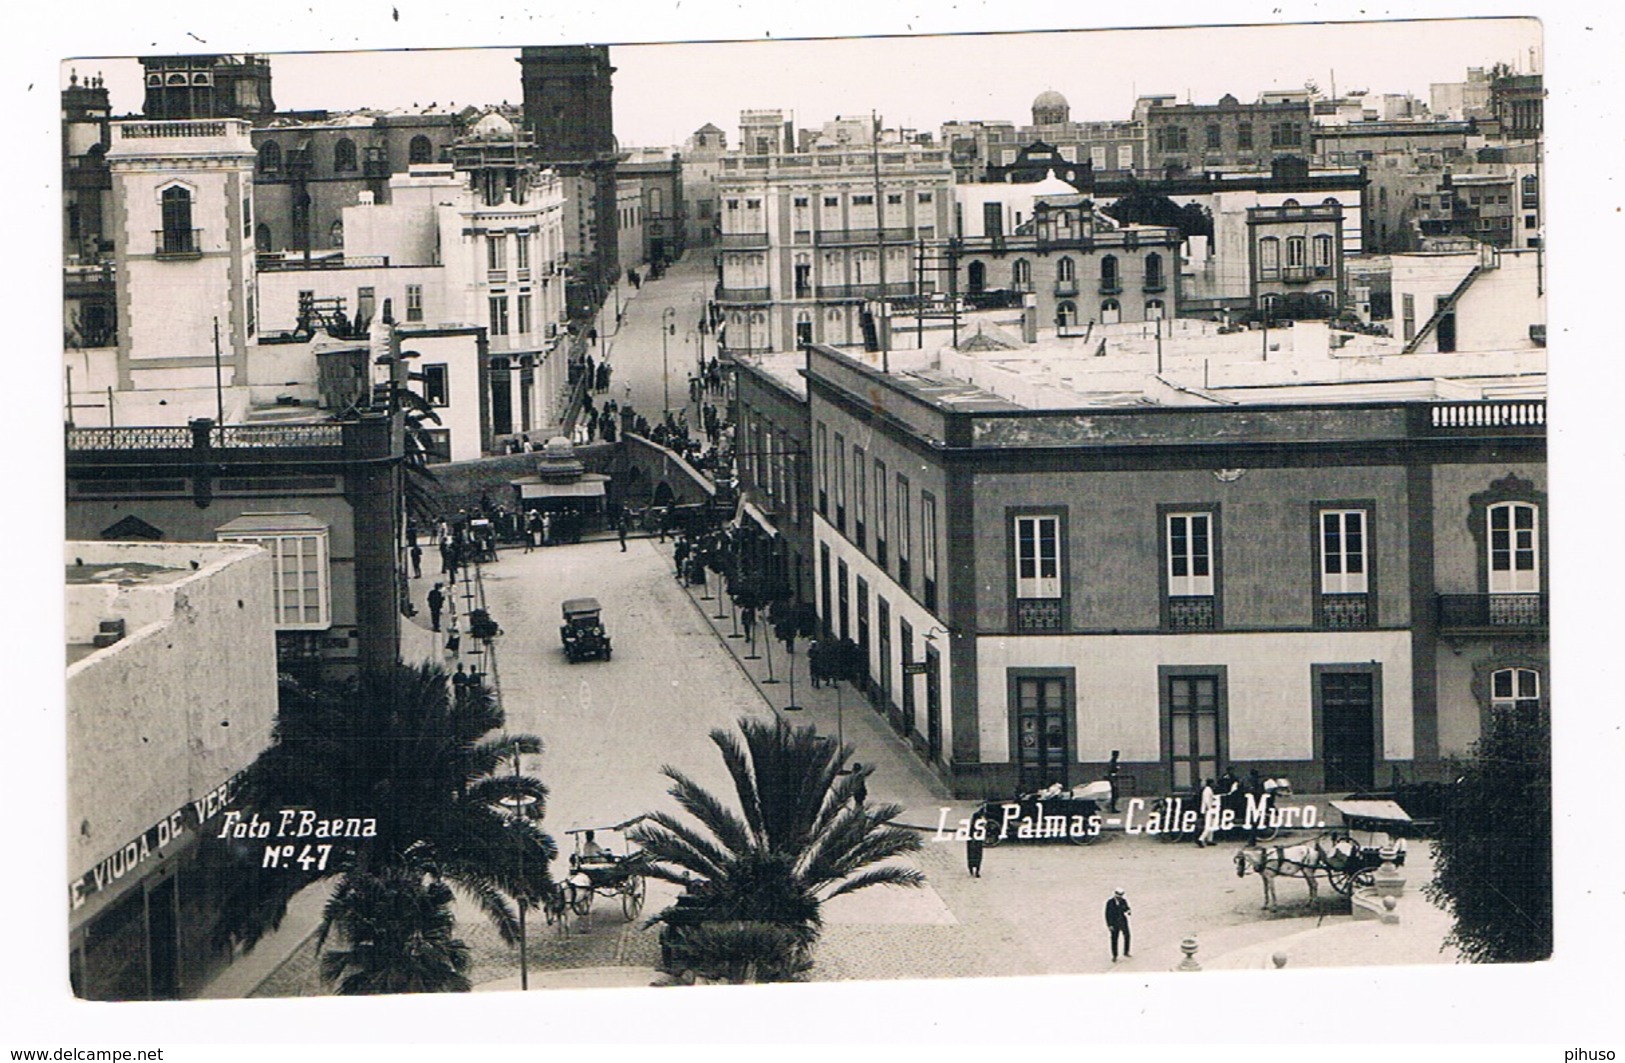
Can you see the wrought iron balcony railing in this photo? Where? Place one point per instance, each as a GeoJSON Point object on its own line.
{"type": "Point", "coordinates": [1492, 612]}
{"type": "Point", "coordinates": [1192, 613]}
{"type": "Point", "coordinates": [1344, 612]}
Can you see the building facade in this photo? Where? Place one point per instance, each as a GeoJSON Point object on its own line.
{"type": "Point", "coordinates": [1226, 135]}
{"type": "Point", "coordinates": [171, 693]}
{"type": "Point", "coordinates": [807, 239]}
{"type": "Point", "coordinates": [1324, 591]}
{"type": "Point", "coordinates": [1296, 260]}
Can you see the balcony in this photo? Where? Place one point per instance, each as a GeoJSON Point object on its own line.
{"type": "Point", "coordinates": [1344, 612]}
{"type": "Point", "coordinates": [1529, 415]}
{"type": "Point", "coordinates": [178, 243]}
{"type": "Point", "coordinates": [1192, 613]}
{"type": "Point", "coordinates": [1066, 288]}
{"type": "Point", "coordinates": [1038, 614]}
{"type": "Point", "coordinates": [864, 291]}
{"type": "Point", "coordinates": [744, 295]}
{"type": "Point", "coordinates": [862, 237]}
{"type": "Point", "coordinates": [1296, 275]}
{"type": "Point", "coordinates": [1494, 613]}
{"type": "Point", "coordinates": [744, 240]}
{"type": "Point", "coordinates": [1155, 284]}
{"type": "Point", "coordinates": [1111, 288]}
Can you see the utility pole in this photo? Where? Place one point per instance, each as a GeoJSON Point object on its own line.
{"type": "Point", "coordinates": [880, 233]}
{"type": "Point", "coordinates": [219, 393]}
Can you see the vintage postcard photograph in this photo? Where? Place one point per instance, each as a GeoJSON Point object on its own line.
{"type": "Point", "coordinates": [581, 516]}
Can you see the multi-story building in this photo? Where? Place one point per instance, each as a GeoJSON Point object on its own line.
{"type": "Point", "coordinates": [975, 145]}
{"type": "Point", "coordinates": [171, 693]}
{"type": "Point", "coordinates": [570, 115]}
{"type": "Point", "coordinates": [324, 498]}
{"type": "Point", "coordinates": [1226, 135]}
{"type": "Point", "coordinates": [182, 87]}
{"type": "Point", "coordinates": [699, 173]}
{"type": "Point", "coordinates": [662, 229]}
{"type": "Point", "coordinates": [1462, 100]}
{"type": "Point", "coordinates": [89, 310]}
{"type": "Point", "coordinates": [1077, 265]}
{"type": "Point", "coordinates": [1325, 580]}
{"type": "Point", "coordinates": [808, 238]}
{"type": "Point", "coordinates": [1296, 259]}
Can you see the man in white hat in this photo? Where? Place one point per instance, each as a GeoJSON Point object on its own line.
{"type": "Point", "coordinates": [1117, 912]}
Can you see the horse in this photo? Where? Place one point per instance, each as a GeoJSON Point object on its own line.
{"type": "Point", "coordinates": [1306, 860]}
{"type": "Point", "coordinates": [556, 907]}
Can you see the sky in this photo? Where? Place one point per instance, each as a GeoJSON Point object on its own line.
{"type": "Point", "coordinates": [663, 92]}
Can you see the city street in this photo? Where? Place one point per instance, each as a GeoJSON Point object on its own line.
{"type": "Point", "coordinates": [634, 350]}
{"type": "Point", "coordinates": [610, 726]}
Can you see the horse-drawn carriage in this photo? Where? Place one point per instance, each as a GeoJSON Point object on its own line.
{"type": "Point", "coordinates": [1052, 814]}
{"type": "Point", "coordinates": [583, 631]}
{"type": "Point", "coordinates": [597, 870]}
{"type": "Point", "coordinates": [1347, 857]}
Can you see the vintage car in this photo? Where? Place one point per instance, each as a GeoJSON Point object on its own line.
{"type": "Point", "coordinates": [583, 631]}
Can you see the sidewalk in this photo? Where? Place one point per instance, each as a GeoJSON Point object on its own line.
{"type": "Point", "coordinates": [837, 710]}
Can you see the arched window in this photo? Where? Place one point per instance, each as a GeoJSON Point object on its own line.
{"type": "Point", "coordinates": [1110, 312]}
{"type": "Point", "coordinates": [1153, 309]}
{"type": "Point", "coordinates": [1290, 203]}
{"type": "Point", "coordinates": [344, 155]}
{"type": "Point", "coordinates": [1109, 283]}
{"type": "Point", "coordinates": [1021, 275]}
{"type": "Point", "coordinates": [1323, 251]}
{"type": "Point", "coordinates": [1515, 689]}
{"type": "Point", "coordinates": [978, 277]}
{"type": "Point", "coordinates": [804, 328]}
{"type": "Point", "coordinates": [262, 237]}
{"type": "Point", "coordinates": [1153, 273]}
{"type": "Point", "coordinates": [1066, 270]}
{"type": "Point", "coordinates": [1066, 314]}
{"type": "Point", "coordinates": [178, 237]}
{"type": "Point", "coordinates": [270, 157]}
{"type": "Point", "coordinates": [420, 150]}
{"type": "Point", "coordinates": [335, 235]}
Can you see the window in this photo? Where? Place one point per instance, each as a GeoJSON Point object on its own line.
{"type": "Point", "coordinates": [928, 547]}
{"type": "Point", "coordinates": [1285, 135]}
{"type": "Point", "coordinates": [1323, 251]}
{"type": "Point", "coordinates": [248, 217]}
{"type": "Point", "coordinates": [1269, 256]}
{"type": "Point", "coordinates": [436, 385]}
{"type": "Point", "coordinates": [1037, 564]}
{"type": "Point", "coordinates": [1514, 548]}
{"type": "Point", "coordinates": [1021, 275]}
{"type": "Point", "coordinates": [414, 302]}
{"type": "Point", "coordinates": [883, 621]}
{"type": "Point", "coordinates": [335, 234]}
{"type": "Point", "coordinates": [1153, 273]}
{"type": "Point", "coordinates": [843, 598]}
{"type": "Point", "coordinates": [880, 513]}
{"type": "Point", "coordinates": [894, 199]}
{"type": "Point", "coordinates": [1154, 309]}
{"type": "Point", "coordinates": [863, 201]}
{"type": "Point", "coordinates": [1110, 311]}
{"type": "Point", "coordinates": [1215, 136]}
{"type": "Point", "coordinates": [733, 204]}
{"type": "Point", "coordinates": [178, 236]}
{"type": "Point", "coordinates": [420, 150]}
{"type": "Point", "coordinates": [523, 310]}
{"type": "Point", "coordinates": [832, 201]}
{"type": "Point", "coordinates": [521, 254]}
{"type": "Point", "coordinates": [496, 253]}
{"type": "Point", "coordinates": [1294, 252]}
{"type": "Point", "coordinates": [1173, 138]}
{"type": "Point", "coordinates": [904, 527]}
{"type": "Point", "coordinates": [1515, 690]}
{"type": "Point", "coordinates": [1190, 603]}
{"type": "Point", "coordinates": [499, 315]}
{"type": "Point", "coordinates": [1408, 315]}
{"type": "Point", "coordinates": [344, 155]}
{"type": "Point", "coordinates": [1109, 284]}
{"type": "Point", "coordinates": [863, 632]}
{"type": "Point", "coordinates": [924, 197]}
{"type": "Point", "coordinates": [270, 157]}
{"type": "Point", "coordinates": [1343, 568]}
{"type": "Point", "coordinates": [1066, 271]}
{"type": "Point", "coordinates": [860, 498]}
{"type": "Point", "coordinates": [840, 484]}
{"type": "Point", "coordinates": [823, 471]}
{"type": "Point", "coordinates": [799, 202]}
{"type": "Point", "coordinates": [1244, 136]}
{"type": "Point", "coordinates": [1531, 192]}
{"type": "Point", "coordinates": [298, 547]}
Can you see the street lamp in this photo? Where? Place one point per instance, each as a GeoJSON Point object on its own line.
{"type": "Point", "coordinates": [520, 807]}
{"type": "Point", "coordinates": [665, 373]}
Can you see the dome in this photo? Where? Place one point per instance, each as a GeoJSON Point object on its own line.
{"type": "Point", "coordinates": [1050, 108]}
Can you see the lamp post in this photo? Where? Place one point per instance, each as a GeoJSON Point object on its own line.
{"type": "Point", "coordinates": [665, 373]}
{"type": "Point", "coordinates": [519, 806]}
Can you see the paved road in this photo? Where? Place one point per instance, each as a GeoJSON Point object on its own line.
{"type": "Point", "coordinates": [634, 351]}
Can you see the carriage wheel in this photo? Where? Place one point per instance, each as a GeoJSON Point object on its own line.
{"type": "Point", "coordinates": [632, 893]}
{"type": "Point", "coordinates": [1341, 881]}
{"type": "Point", "coordinates": [581, 901]}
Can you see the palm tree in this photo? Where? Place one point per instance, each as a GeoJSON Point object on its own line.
{"type": "Point", "coordinates": [798, 839]}
{"type": "Point", "coordinates": [398, 924]}
{"type": "Point", "coordinates": [401, 748]}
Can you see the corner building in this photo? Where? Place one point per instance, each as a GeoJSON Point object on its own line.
{"type": "Point", "coordinates": [1328, 590]}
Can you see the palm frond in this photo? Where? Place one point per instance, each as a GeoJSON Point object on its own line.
{"type": "Point", "coordinates": [879, 876]}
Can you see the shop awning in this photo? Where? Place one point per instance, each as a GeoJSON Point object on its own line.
{"type": "Point", "coordinates": [589, 486]}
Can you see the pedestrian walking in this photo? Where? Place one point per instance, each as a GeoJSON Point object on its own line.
{"type": "Point", "coordinates": [620, 531]}
{"type": "Point", "coordinates": [860, 792]}
{"type": "Point", "coordinates": [680, 553]}
{"type": "Point", "coordinates": [1208, 806]}
{"type": "Point", "coordinates": [973, 847]}
{"type": "Point", "coordinates": [417, 560]}
{"type": "Point", "coordinates": [454, 637]}
{"type": "Point", "coordinates": [437, 601]}
{"type": "Point", "coordinates": [1117, 913]}
{"type": "Point", "coordinates": [1111, 778]}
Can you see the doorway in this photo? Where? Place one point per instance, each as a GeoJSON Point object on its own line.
{"type": "Point", "coordinates": [1041, 732]}
{"type": "Point", "coordinates": [1348, 728]}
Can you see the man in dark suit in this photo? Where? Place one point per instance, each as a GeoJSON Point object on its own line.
{"type": "Point", "coordinates": [1117, 912]}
